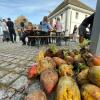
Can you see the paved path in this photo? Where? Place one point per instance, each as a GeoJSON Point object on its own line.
{"type": "Point", "coordinates": [14, 62]}
{"type": "Point", "coordinates": [15, 59]}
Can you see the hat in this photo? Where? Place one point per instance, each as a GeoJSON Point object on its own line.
{"type": "Point", "coordinates": [8, 18]}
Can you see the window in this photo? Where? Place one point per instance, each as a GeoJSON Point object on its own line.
{"type": "Point", "coordinates": [77, 15]}
{"type": "Point", "coordinates": [61, 16]}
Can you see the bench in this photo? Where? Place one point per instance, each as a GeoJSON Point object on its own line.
{"type": "Point", "coordinates": [65, 38]}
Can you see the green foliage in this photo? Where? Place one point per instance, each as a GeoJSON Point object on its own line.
{"type": "Point", "coordinates": [81, 66]}
{"type": "Point", "coordinates": [53, 48]}
{"type": "Point", "coordinates": [85, 43]}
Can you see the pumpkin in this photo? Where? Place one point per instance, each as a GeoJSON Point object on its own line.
{"type": "Point", "coordinates": [59, 61]}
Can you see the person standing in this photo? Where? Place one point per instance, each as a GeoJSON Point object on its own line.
{"type": "Point", "coordinates": [75, 31]}
{"type": "Point", "coordinates": [6, 36]}
{"type": "Point", "coordinates": [84, 25]}
{"type": "Point", "coordinates": [11, 29]}
{"type": "Point", "coordinates": [46, 27]}
{"type": "Point", "coordinates": [58, 28]}
{"type": "Point", "coordinates": [1, 31]}
{"type": "Point", "coordinates": [40, 26]}
{"type": "Point", "coordinates": [22, 26]}
{"type": "Point", "coordinates": [19, 32]}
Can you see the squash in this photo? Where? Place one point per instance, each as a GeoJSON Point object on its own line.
{"type": "Point", "coordinates": [36, 95]}
{"type": "Point", "coordinates": [72, 54]}
{"type": "Point", "coordinates": [83, 77]}
{"type": "Point", "coordinates": [59, 61]}
{"type": "Point", "coordinates": [65, 69]}
{"type": "Point", "coordinates": [90, 92]}
{"type": "Point", "coordinates": [69, 60]}
{"type": "Point", "coordinates": [49, 79]}
{"type": "Point", "coordinates": [94, 75]}
{"type": "Point", "coordinates": [46, 63]}
{"type": "Point", "coordinates": [48, 53]}
{"type": "Point", "coordinates": [32, 71]}
{"type": "Point", "coordinates": [59, 54]}
{"type": "Point", "coordinates": [67, 89]}
{"type": "Point", "coordinates": [40, 56]}
{"type": "Point", "coordinates": [78, 58]}
{"type": "Point", "coordinates": [94, 61]}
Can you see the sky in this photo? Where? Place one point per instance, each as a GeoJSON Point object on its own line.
{"type": "Point", "coordinates": [34, 10]}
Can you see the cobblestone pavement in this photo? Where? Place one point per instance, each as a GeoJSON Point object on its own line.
{"type": "Point", "coordinates": [15, 59]}
{"type": "Point", "coordinates": [14, 62]}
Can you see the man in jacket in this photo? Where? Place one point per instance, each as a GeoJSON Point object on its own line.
{"type": "Point", "coordinates": [82, 29]}
{"type": "Point", "coordinates": [11, 29]}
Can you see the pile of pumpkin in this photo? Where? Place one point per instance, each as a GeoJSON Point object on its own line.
{"type": "Point", "coordinates": [74, 75]}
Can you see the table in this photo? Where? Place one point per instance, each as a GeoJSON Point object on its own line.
{"type": "Point", "coordinates": [65, 38]}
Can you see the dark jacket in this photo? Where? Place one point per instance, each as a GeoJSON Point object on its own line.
{"type": "Point", "coordinates": [10, 25]}
{"type": "Point", "coordinates": [88, 21]}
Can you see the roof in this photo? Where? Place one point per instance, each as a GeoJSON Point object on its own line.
{"type": "Point", "coordinates": [76, 3]}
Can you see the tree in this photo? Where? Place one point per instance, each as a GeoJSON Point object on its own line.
{"type": "Point", "coordinates": [20, 19]}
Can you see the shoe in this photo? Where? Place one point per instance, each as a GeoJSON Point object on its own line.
{"type": "Point", "coordinates": [24, 44]}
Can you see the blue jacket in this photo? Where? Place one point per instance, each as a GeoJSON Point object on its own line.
{"type": "Point", "coordinates": [46, 26]}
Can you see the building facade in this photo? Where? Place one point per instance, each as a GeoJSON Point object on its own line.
{"type": "Point", "coordinates": [71, 13]}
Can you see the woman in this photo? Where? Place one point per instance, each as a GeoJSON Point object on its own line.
{"type": "Point", "coordinates": [58, 27]}
{"type": "Point", "coordinates": [75, 31]}
{"type": "Point", "coordinates": [46, 27]}
{"type": "Point", "coordinates": [6, 36]}
{"type": "Point", "coordinates": [28, 32]}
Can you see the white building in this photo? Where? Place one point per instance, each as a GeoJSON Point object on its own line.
{"type": "Point", "coordinates": [71, 13]}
